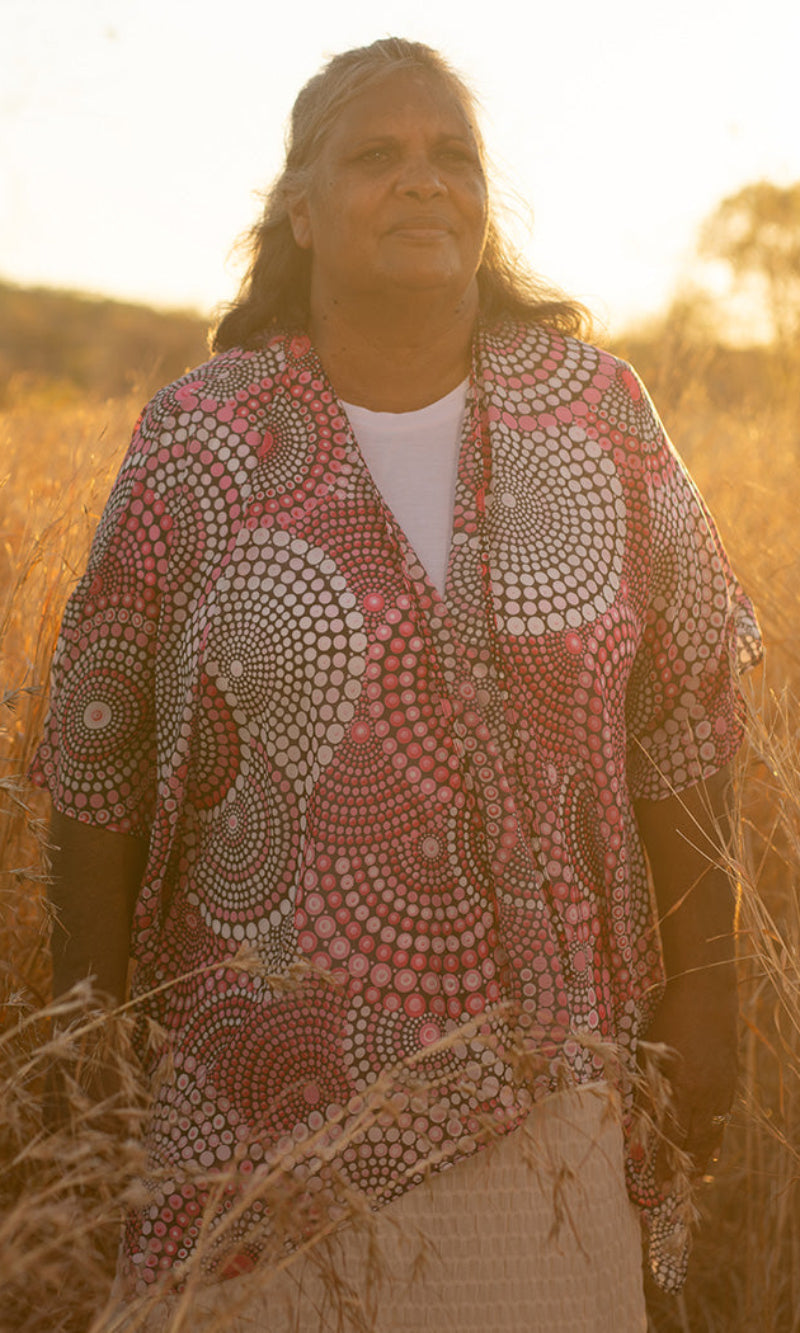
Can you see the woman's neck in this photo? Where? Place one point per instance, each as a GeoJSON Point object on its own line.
{"type": "Point", "coordinates": [400, 359]}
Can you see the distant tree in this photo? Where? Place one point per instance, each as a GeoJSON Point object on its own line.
{"type": "Point", "coordinates": [757, 232]}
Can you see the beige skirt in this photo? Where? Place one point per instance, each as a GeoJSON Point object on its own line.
{"type": "Point", "coordinates": [535, 1234]}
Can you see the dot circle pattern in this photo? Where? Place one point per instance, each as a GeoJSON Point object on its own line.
{"type": "Point", "coordinates": [421, 808]}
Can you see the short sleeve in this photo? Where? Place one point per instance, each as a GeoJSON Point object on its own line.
{"type": "Point", "coordinates": [97, 754]}
{"type": "Point", "coordinates": [684, 708]}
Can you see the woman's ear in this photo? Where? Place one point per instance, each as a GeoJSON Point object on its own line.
{"type": "Point", "coordinates": [300, 219]}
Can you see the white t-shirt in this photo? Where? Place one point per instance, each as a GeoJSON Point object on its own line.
{"type": "Point", "coordinates": [413, 458]}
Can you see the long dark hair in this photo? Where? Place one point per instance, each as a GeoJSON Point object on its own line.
{"type": "Point", "coordinates": [274, 294]}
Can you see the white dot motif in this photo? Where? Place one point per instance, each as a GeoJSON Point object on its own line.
{"type": "Point", "coordinates": [559, 524]}
{"type": "Point", "coordinates": [96, 715]}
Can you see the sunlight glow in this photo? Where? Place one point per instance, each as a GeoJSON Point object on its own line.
{"type": "Point", "coordinates": [134, 135]}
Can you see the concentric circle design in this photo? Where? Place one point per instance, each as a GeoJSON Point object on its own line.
{"type": "Point", "coordinates": [285, 645]}
{"type": "Point", "coordinates": [372, 813]}
{"type": "Point", "coordinates": [556, 534]}
{"type": "Point", "coordinates": [374, 1045]}
{"type": "Point", "coordinates": [361, 778]}
{"type": "Point", "coordinates": [274, 1070]}
{"type": "Point", "coordinates": [289, 446]}
{"type": "Point", "coordinates": [190, 530]}
{"type": "Point", "coordinates": [366, 554]}
{"type": "Point", "coordinates": [247, 851]}
{"type": "Point", "coordinates": [466, 851]}
{"type": "Point", "coordinates": [102, 713]}
{"type": "Point", "coordinates": [578, 814]}
{"type": "Point", "coordinates": [216, 749]}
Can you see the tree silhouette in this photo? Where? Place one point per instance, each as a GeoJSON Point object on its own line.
{"type": "Point", "coordinates": [757, 232]}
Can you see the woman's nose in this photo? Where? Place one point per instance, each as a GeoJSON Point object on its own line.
{"type": "Point", "coordinates": [421, 178]}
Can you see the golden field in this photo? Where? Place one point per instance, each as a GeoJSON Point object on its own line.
{"type": "Point", "coordinates": [734, 417]}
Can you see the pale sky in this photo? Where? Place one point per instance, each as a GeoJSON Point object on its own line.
{"type": "Point", "coordinates": [134, 133]}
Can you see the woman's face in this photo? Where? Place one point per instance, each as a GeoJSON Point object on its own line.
{"type": "Point", "coordinates": [397, 200]}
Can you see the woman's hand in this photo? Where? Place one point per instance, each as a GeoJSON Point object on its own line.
{"type": "Point", "coordinates": [687, 838]}
{"type": "Point", "coordinates": [697, 1021]}
{"type": "Point", "coordinates": [95, 880]}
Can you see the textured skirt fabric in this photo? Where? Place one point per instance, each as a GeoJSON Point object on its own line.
{"type": "Point", "coordinates": [535, 1234]}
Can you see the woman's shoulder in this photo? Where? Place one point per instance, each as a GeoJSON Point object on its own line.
{"type": "Point", "coordinates": [566, 375]}
{"type": "Point", "coordinates": [534, 344]}
{"type": "Point", "coordinates": [224, 379]}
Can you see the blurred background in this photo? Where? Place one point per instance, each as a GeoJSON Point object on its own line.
{"type": "Point", "coordinates": [134, 133]}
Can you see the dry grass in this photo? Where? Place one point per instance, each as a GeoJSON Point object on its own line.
{"type": "Point", "coordinates": [63, 1192]}
{"type": "Point", "coordinates": [745, 1271]}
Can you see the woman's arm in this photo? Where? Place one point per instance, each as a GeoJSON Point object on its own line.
{"type": "Point", "coordinates": [685, 837]}
{"type": "Point", "coordinates": [96, 876]}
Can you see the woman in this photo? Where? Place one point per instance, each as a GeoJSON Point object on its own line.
{"type": "Point", "coordinates": [404, 633]}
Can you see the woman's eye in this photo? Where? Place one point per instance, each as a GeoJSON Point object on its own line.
{"type": "Point", "coordinates": [453, 156]}
{"type": "Point", "coordinates": [461, 157]}
{"type": "Point", "coordinates": [374, 155]}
